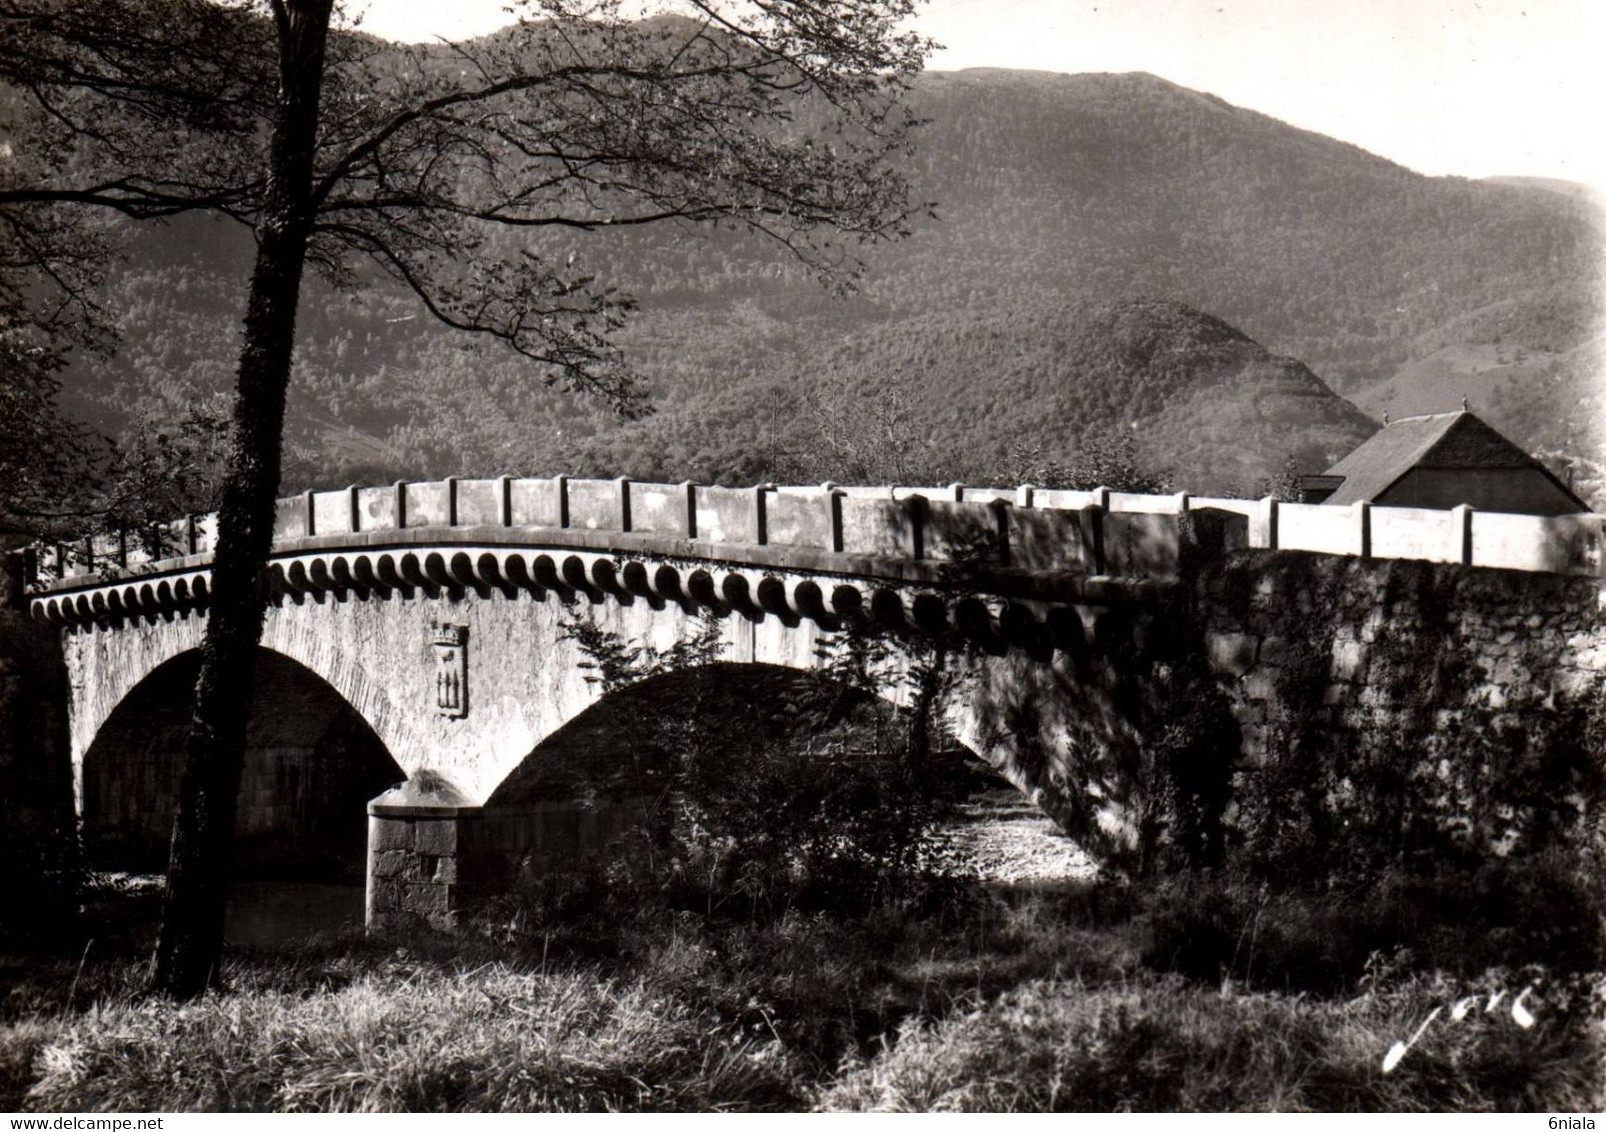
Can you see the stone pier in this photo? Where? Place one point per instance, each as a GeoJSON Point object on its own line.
{"type": "Point", "coordinates": [421, 836]}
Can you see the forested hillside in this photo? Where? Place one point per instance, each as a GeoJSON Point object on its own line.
{"type": "Point", "coordinates": [1033, 312]}
{"type": "Point", "coordinates": [990, 395]}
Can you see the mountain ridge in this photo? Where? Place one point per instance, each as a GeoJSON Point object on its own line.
{"type": "Point", "coordinates": [1056, 192]}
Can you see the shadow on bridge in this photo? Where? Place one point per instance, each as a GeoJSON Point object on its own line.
{"type": "Point", "coordinates": [311, 766]}
{"type": "Point", "coordinates": [771, 761]}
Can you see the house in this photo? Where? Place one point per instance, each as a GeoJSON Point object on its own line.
{"type": "Point", "coordinates": [1443, 460]}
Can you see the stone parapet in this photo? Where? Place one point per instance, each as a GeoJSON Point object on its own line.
{"type": "Point", "coordinates": [1108, 533]}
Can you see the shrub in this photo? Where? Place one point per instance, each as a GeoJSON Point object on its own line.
{"type": "Point", "coordinates": [822, 795]}
{"type": "Point", "coordinates": [1451, 918]}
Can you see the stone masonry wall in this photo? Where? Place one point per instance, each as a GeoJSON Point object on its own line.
{"type": "Point", "coordinates": [1451, 698]}
{"type": "Point", "coordinates": [1389, 630]}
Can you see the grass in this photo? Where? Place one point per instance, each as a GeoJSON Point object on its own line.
{"type": "Point", "coordinates": [416, 1039]}
{"type": "Point", "coordinates": [1160, 1043]}
{"type": "Point", "coordinates": [977, 1001]}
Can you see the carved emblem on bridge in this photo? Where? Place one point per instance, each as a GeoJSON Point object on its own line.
{"type": "Point", "coordinates": [449, 644]}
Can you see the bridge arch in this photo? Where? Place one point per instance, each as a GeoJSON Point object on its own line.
{"type": "Point", "coordinates": [312, 763]}
{"type": "Point", "coordinates": [108, 661]}
{"type": "Point", "coordinates": [743, 737]}
{"type": "Point", "coordinates": [395, 597]}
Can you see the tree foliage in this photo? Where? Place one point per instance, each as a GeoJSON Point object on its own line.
{"type": "Point", "coordinates": [367, 162]}
{"type": "Point", "coordinates": [64, 479]}
{"type": "Point", "coordinates": [436, 164]}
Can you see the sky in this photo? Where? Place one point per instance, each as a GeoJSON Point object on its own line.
{"type": "Point", "coordinates": [1485, 88]}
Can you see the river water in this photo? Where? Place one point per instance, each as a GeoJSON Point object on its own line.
{"type": "Point", "coordinates": [272, 913]}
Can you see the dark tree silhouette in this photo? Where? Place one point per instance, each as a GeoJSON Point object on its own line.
{"type": "Point", "coordinates": [362, 158]}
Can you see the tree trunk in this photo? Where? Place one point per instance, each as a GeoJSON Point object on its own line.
{"type": "Point", "coordinates": [190, 947]}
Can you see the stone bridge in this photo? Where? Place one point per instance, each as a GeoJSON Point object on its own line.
{"type": "Point", "coordinates": [416, 667]}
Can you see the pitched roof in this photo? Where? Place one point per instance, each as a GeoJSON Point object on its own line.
{"type": "Point", "coordinates": [1437, 440]}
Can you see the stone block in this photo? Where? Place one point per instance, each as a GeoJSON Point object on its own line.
{"type": "Point", "coordinates": [432, 901]}
{"type": "Point", "coordinates": [436, 837]}
{"type": "Point", "coordinates": [389, 833]}
{"type": "Point", "coordinates": [1506, 671]}
{"type": "Point", "coordinates": [1253, 752]}
{"type": "Point", "coordinates": [1273, 650]}
{"type": "Point", "coordinates": [1259, 686]}
{"type": "Point", "coordinates": [1574, 684]}
{"type": "Point", "coordinates": [384, 895]}
{"type": "Point", "coordinates": [1593, 659]}
{"type": "Point", "coordinates": [1372, 696]}
{"type": "Point", "coordinates": [1355, 718]}
{"type": "Point", "coordinates": [1250, 714]}
{"type": "Point", "coordinates": [1232, 653]}
{"type": "Point", "coordinates": [442, 869]}
{"type": "Point", "coordinates": [391, 862]}
{"type": "Point", "coordinates": [1349, 660]}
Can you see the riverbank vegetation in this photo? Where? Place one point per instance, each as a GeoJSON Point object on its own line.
{"type": "Point", "coordinates": [957, 997]}
{"type": "Point", "coordinates": [793, 924]}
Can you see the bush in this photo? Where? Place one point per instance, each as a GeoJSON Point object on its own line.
{"type": "Point", "coordinates": [822, 797]}
{"type": "Point", "coordinates": [1462, 921]}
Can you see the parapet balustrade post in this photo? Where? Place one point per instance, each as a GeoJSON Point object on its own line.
{"type": "Point", "coordinates": [560, 488]}
{"type": "Point", "coordinates": [919, 510]}
{"type": "Point", "coordinates": [1182, 502]}
{"type": "Point", "coordinates": [761, 515]}
{"type": "Point", "coordinates": [1001, 509]}
{"type": "Point", "coordinates": [122, 549]}
{"type": "Point", "coordinates": [192, 540]}
{"type": "Point", "coordinates": [833, 516]}
{"type": "Point", "coordinates": [1363, 528]}
{"type": "Point", "coordinates": [89, 555]}
{"type": "Point", "coordinates": [400, 489]}
{"type": "Point", "coordinates": [1098, 513]}
{"type": "Point", "coordinates": [504, 495]}
{"type": "Point", "coordinates": [1269, 514]}
{"type": "Point", "coordinates": [308, 514]}
{"type": "Point", "coordinates": [957, 490]}
{"type": "Point", "coordinates": [354, 508]}
{"type": "Point", "coordinates": [622, 487]}
{"type": "Point", "coordinates": [1025, 495]}
{"type": "Point", "coordinates": [1461, 534]}
{"type": "Point", "coordinates": [690, 490]}
{"type": "Point", "coordinates": [451, 501]}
